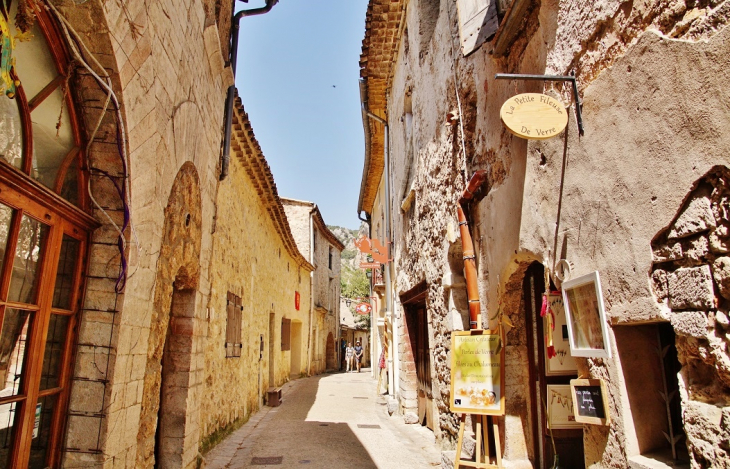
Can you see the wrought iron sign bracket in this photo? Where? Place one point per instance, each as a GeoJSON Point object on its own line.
{"type": "Point", "coordinates": [569, 78]}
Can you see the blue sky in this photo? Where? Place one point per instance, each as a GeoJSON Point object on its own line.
{"type": "Point", "coordinates": [297, 75]}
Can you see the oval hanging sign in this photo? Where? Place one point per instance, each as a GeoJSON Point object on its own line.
{"type": "Point", "coordinates": [363, 308]}
{"type": "Point", "coordinates": [534, 116]}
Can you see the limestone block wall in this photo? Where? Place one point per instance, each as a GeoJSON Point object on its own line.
{"type": "Point", "coordinates": [251, 261]}
{"type": "Point", "coordinates": [648, 75]}
{"type": "Point", "coordinates": [299, 216]}
{"type": "Point", "coordinates": [168, 72]}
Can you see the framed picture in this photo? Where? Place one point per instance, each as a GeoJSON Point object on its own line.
{"type": "Point", "coordinates": [563, 363]}
{"type": "Point", "coordinates": [591, 401]}
{"type": "Point", "coordinates": [477, 373]}
{"type": "Point", "coordinates": [560, 412]}
{"type": "Point", "coordinates": [584, 313]}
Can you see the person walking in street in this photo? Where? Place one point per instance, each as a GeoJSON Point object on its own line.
{"type": "Point", "coordinates": [358, 355]}
{"type": "Point", "coordinates": [349, 355]}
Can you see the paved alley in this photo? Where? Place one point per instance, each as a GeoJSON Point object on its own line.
{"type": "Point", "coordinates": [327, 421]}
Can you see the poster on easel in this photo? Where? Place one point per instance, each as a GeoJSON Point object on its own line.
{"type": "Point", "coordinates": [477, 372]}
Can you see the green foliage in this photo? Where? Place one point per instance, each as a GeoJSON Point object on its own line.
{"type": "Point", "coordinates": [348, 254]}
{"type": "Point", "coordinates": [354, 283]}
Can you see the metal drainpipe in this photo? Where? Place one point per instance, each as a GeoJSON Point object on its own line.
{"type": "Point", "coordinates": [235, 27]}
{"type": "Point", "coordinates": [311, 289]}
{"type": "Point", "coordinates": [374, 336]}
{"type": "Point", "coordinates": [392, 358]}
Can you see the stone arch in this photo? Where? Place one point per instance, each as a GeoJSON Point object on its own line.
{"type": "Point", "coordinates": [92, 384]}
{"type": "Point", "coordinates": [172, 327]}
{"type": "Point", "coordinates": [518, 401]}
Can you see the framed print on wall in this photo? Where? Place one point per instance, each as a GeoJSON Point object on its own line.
{"type": "Point", "coordinates": [563, 363]}
{"type": "Point", "coordinates": [586, 318]}
{"type": "Point", "coordinates": [560, 412]}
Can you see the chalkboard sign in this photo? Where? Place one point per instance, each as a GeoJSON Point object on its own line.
{"type": "Point", "coordinates": [590, 401]}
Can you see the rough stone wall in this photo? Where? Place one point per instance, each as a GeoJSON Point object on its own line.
{"type": "Point", "coordinates": [651, 131]}
{"type": "Point", "coordinates": [167, 70]}
{"type": "Point", "coordinates": [690, 278]}
{"type": "Point", "coordinates": [251, 261]}
{"type": "Point", "coordinates": [298, 215]}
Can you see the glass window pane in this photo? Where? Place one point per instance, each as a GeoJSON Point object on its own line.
{"type": "Point", "coordinates": [13, 346]}
{"type": "Point", "coordinates": [26, 265]}
{"type": "Point", "coordinates": [11, 132]}
{"type": "Point", "coordinates": [52, 137]}
{"type": "Point", "coordinates": [42, 433]}
{"type": "Point", "coordinates": [65, 275]}
{"type": "Point", "coordinates": [8, 419]}
{"type": "Point", "coordinates": [6, 216]}
{"type": "Point", "coordinates": [34, 63]}
{"type": "Point", "coordinates": [53, 355]}
{"type": "Point", "coordinates": [70, 188]}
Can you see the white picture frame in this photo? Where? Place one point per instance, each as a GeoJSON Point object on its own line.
{"type": "Point", "coordinates": [563, 363]}
{"type": "Point", "coordinates": [586, 317]}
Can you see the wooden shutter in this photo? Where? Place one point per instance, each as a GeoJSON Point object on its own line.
{"type": "Point", "coordinates": [233, 325]}
{"type": "Point", "coordinates": [478, 22]}
{"type": "Point", "coordinates": [285, 334]}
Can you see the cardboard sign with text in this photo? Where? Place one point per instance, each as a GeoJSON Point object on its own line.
{"type": "Point", "coordinates": [477, 372]}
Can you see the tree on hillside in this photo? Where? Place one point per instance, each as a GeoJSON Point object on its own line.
{"type": "Point", "coordinates": [354, 283]}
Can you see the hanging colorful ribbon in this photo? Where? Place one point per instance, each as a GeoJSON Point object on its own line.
{"type": "Point", "coordinates": [547, 313]}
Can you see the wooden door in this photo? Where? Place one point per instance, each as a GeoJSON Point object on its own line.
{"type": "Point", "coordinates": [568, 443]}
{"type": "Point", "coordinates": [423, 368]}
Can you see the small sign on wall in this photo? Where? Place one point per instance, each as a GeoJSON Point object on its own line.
{"type": "Point", "coordinates": [296, 300]}
{"type": "Point", "coordinates": [534, 116]}
{"type": "Point", "coordinates": [590, 401]}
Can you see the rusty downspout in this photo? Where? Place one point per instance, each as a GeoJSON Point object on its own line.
{"type": "Point", "coordinates": [231, 96]}
{"type": "Point", "coordinates": [467, 245]}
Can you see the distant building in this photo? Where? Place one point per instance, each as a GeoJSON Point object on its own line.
{"type": "Point", "coordinates": [323, 250]}
{"type": "Point", "coordinates": [352, 332]}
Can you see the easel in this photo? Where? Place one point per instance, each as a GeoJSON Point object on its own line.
{"type": "Point", "coordinates": [484, 422]}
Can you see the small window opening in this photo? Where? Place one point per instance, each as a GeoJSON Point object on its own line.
{"type": "Point", "coordinates": [649, 361]}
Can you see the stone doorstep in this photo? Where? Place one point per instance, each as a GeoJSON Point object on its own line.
{"type": "Point", "coordinates": [654, 461]}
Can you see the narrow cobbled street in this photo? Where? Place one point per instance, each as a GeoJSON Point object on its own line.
{"type": "Point", "coordinates": [327, 421]}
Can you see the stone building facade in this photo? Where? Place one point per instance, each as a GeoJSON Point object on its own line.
{"type": "Point", "coordinates": [260, 287]}
{"type": "Point", "coordinates": [115, 300]}
{"type": "Point", "coordinates": [323, 250]}
{"type": "Point", "coordinates": [640, 198]}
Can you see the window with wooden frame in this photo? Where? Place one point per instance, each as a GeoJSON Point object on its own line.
{"type": "Point", "coordinates": [234, 321]}
{"type": "Point", "coordinates": [480, 20]}
{"type": "Point", "coordinates": [285, 334]}
{"type": "Point", "coordinates": [43, 239]}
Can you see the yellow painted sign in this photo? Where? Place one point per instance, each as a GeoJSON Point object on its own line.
{"type": "Point", "coordinates": [534, 116]}
{"type": "Point", "coordinates": [477, 373]}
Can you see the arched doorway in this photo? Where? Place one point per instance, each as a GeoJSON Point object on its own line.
{"type": "Point", "coordinates": [544, 386]}
{"type": "Point", "coordinates": [44, 234]}
{"type": "Point", "coordinates": [330, 353]}
{"type": "Point", "coordinates": [175, 378]}
{"type": "Point", "coordinates": [162, 439]}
